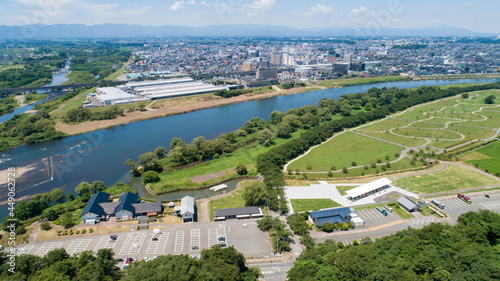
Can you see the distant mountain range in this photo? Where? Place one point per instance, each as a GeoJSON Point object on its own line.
{"type": "Point", "coordinates": [68, 31]}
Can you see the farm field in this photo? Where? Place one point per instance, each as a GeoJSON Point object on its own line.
{"type": "Point", "coordinates": [454, 177]}
{"type": "Point", "coordinates": [344, 149]}
{"type": "Point", "coordinates": [301, 205]}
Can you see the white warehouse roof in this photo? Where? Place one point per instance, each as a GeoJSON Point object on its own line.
{"type": "Point", "coordinates": [158, 82]}
{"type": "Point", "coordinates": [365, 188]}
{"type": "Point", "coordinates": [112, 94]}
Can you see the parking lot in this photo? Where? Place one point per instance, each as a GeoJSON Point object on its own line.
{"type": "Point", "coordinates": [189, 239]}
{"type": "Point", "coordinates": [373, 217]}
{"type": "Point", "coordinates": [455, 207]}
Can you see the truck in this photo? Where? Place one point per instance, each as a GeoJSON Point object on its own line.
{"type": "Point", "coordinates": [389, 209]}
{"type": "Point", "coordinates": [437, 203]}
{"type": "Point", "coordinates": [465, 198]}
{"type": "Point", "coordinates": [384, 212]}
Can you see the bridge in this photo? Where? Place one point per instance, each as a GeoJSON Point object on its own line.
{"type": "Point", "coordinates": [60, 87]}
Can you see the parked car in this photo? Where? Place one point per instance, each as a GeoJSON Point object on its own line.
{"type": "Point", "coordinates": [129, 260]}
{"type": "Point", "coordinates": [195, 247]}
{"type": "Point", "coordinates": [155, 239]}
{"type": "Point", "coordinates": [119, 260]}
{"type": "Point", "coordinates": [221, 238]}
{"type": "Point", "coordinates": [152, 219]}
{"type": "Point", "coordinates": [113, 236]}
{"type": "Point", "coordinates": [487, 195]}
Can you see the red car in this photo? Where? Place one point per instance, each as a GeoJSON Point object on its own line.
{"type": "Point", "coordinates": [129, 260]}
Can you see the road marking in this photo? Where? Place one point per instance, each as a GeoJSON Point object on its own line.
{"type": "Point", "coordinates": [104, 243]}
{"type": "Point", "coordinates": [47, 247]}
{"type": "Point", "coordinates": [179, 241]}
{"type": "Point", "coordinates": [78, 245]}
{"type": "Point", "coordinates": [386, 225]}
{"type": "Point", "coordinates": [134, 238]}
{"type": "Point", "coordinates": [158, 247]}
{"type": "Point", "coordinates": [195, 239]}
{"type": "Point", "coordinates": [491, 205]}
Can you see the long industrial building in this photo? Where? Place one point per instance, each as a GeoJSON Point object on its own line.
{"type": "Point", "coordinates": [155, 89]}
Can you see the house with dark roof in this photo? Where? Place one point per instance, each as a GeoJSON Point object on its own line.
{"type": "Point", "coordinates": [148, 208]}
{"type": "Point", "coordinates": [93, 210]}
{"type": "Point", "coordinates": [334, 215]}
{"type": "Point", "coordinates": [98, 208]}
{"type": "Point", "coordinates": [125, 210]}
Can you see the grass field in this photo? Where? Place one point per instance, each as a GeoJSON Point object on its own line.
{"type": "Point", "coordinates": [342, 150]}
{"type": "Point", "coordinates": [74, 102]}
{"type": "Point", "coordinates": [407, 141]}
{"type": "Point", "coordinates": [343, 188]}
{"type": "Point", "coordinates": [361, 81]}
{"type": "Point", "coordinates": [487, 158]}
{"type": "Point", "coordinates": [402, 165]}
{"type": "Point", "coordinates": [454, 177]}
{"type": "Point", "coordinates": [302, 205]}
{"type": "Point", "coordinates": [235, 200]}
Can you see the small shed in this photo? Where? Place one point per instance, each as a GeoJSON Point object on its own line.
{"type": "Point", "coordinates": [408, 205]}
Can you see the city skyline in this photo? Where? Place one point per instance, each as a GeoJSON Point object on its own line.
{"type": "Point", "coordinates": [296, 14]}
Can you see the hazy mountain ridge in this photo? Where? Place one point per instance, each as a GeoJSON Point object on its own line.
{"type": "Point", "coordinates": [66, 31]}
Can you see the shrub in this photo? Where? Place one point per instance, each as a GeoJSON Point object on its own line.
{"type": "Point", "coordinates": [150, 176]}
{"type": "Point", "coordinates": [241, 170]}
{"type": "Point", "coordinates": [45, 226]}
{"type": "Point", "coordinates": [84, 231]}
{"type": "Point", "coordinates": [77, 231]}
{"type": "Point", "coordinates": [91, 230]}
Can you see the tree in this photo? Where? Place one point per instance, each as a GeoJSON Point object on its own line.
{"type": "Point", "coordinates": [265, 137]}
{"type": "Point", "coordinates": [254, 194]}
{"type": "Point", "coordinates": [161, 152]}
{"type": "Point", "coordinates": [327, 227]}
{"type": "Point", "coordinates": [241, 170]}
{"type": "Point", "coordinates": [98, 186]}
{"type": "Point", "coordinates": [50, 214]}
{"type": "Point", "coordinates": [45, 226]}
{"type": "Point", "coordinates": [489, 99]}
{"type": "Point", "coordinates": [276, 117]}
{"type": "Point", "coordinates": [150, 176]}
{"type": "Point", "coordinates": [265, 223]}
{"type": "Point", "coordinates": [84, 189]}
{"type": "Point", "coordinates": [71, 196]}
{"type": "Point", "coordinates": [147, 158]}
{"type": "Point", "coordinates": [67, 220]}
{"type": "Point", "coordinates": [344, 170]}
{"type": "Point", "coordinates": [57, 195]}
{"type": "Point", "coordinates": [284, 130]}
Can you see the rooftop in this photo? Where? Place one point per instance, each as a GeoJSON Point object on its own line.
{"type": "Point", "coordinates": [237, 211]}
{"type": "Point", "coordinates": [365, 188]}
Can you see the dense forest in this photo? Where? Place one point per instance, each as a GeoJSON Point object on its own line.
{"type": "Point", "coordinates": [215, 264]}
{"type": "Point", "coordinates": [24, 76]}
{"type": "Point", "coordinates": [470, 250]}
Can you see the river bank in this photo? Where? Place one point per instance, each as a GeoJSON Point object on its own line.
{"type": "Point", "coordinates": [170, 107]}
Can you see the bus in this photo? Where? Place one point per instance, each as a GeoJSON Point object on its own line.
{"type": "Point", "coordinates": [465, 198]}
{"type": "Point", "coordinates": [439, 204]}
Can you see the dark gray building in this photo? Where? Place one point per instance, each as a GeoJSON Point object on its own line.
{"type": "Point", "coordinates": [271, 73]}
{"type": "Point", "coordinates": [408, 205]}
{"type": "Point", "coordinates": [238, 213]}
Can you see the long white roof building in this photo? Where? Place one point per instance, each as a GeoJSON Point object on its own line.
{"type": "Point", "coordinates": [369, 188]}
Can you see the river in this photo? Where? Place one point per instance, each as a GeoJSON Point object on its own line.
{"type": "Point", "coordinates": [100, 155]}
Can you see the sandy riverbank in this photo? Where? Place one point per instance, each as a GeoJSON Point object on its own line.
{"type": "Point", "coordinates": [170, 107]}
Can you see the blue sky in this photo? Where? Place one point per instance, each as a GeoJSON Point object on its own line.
{"type": "Point", "coordinates": [478, 15]}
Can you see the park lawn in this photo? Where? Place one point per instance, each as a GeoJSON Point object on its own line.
{"type": "Point", "coordinates": [385, 125]}
{"type": "Point", "coordinates": [469, 133]}
{"type": "Point", "coordinates": [454, 177]}
{"type": "Point", "coordinates": [362, 81]}
{"type": "Point", "coordinates": [235, 200]}
{"type": "Point", "coordinates": [400, 212]}
{"type": "Point", "coordinates": [493, 120]}
{"type": "Point", "coordinates": [491, 162]}
{"type": "Point", "coordinates": [427, 133]}
{"type": "Point", "coordinates": [344, 188]}
{"type": "Point", "coordinates": [302, 205]}
{"type": "Point", "coordinates": [456, 115]}
{"type": "Point", "coordinates": [76, 216]}
{"type": "Point", "coordinates": [427, 125]}
{"type": "Point", "coordinates": [342, 150]}
{"type": "Point", "coordinates": [74, 102]}
{"type": "Point", "coordinates": [400, 166]}
{"type": "Point", "coordinates": [407, 141]}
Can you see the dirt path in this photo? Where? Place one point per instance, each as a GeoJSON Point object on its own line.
{"type": "Point", "coordinates": [170, 107]}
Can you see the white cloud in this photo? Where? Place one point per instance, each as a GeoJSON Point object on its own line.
{"type": "Point", "coordinates": [359, 11]}
{"type": "Point", "coordinates": [259, 7]}
{"type": "Point", "coordinates": [320, 10]}
{"type": "Point", "coordinates": [177, 6]}
{"type": "Point", "coordinates": [192, 2]}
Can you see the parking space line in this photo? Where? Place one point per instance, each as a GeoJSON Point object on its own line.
{"type": "Point", "coordinates": [368, 214]}
{"type": "Point", "coordinates": [195, 239]}
{"type": "Point", "coordinates": [78, 245]}
{"type": "Point", "coordinates": [104, 243]}
{"type": "Point", "coordinates": [374, 213]}
{"type": "Point", "coordinates": [158, 247]}
{"type": "Point", "coordinates": [212, 237]}
{"type": "Point", "coordinates": [179, 241]}
{"type": "Point", "coordinates": [133, 243]}
{"type": "Point", "coordinates": [47, 247]}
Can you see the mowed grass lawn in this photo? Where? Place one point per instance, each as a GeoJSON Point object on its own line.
{"type": "Point", "coordinates": [342, 150]}
{"type": "Point", "coordinates": [490, 155]}
{"type": "Point", "coordinates": [302, 205]}
{"type": "Point", "coordinates": [454, 177]}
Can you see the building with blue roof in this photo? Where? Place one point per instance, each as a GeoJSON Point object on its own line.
{"type": "Point", "coordinates": [93, 209]}
{"type": "Point", "coordinates": [334, 215]}
{"type": "Point", "coordinates": [125, 210]}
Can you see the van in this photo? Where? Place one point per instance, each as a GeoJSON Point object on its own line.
{"type": "Point", "coordinates": [157, 231]}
